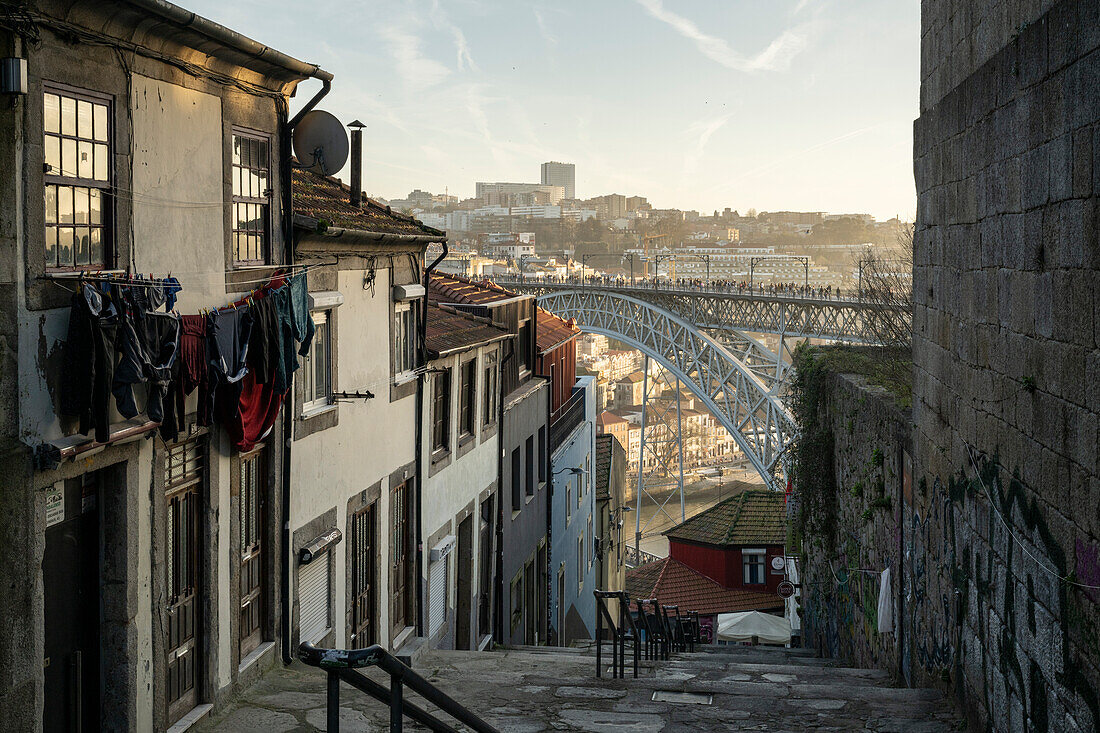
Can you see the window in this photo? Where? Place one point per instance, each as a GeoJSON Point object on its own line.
{"type": "Point", "coordinates": [516, 480]}
{"type": "Point", "coordinates": [468, 398]}
{"type": "Point", "coordinates": [530, 465]}
{"type": "Point", "coordinates": [525, 347]}
{"type": "Point", "coordinates": [251, 199]}
{"type": "Point", "coordinates": [753, 561]}
{"type": "Point", "coordinates": [568, 500]}
{"type": "Point", "coordinates": [317, 374]}
{"type": "Point", "coordinates": [580, 490]}
{"type": "Point", "coordinates": [404, 339]}
{"type": "Point", "coordinates": [491, 389]}
{"type": "Point", "coordinates": [580, 563]}
{"type": "Point", "coordinates": [77, 132]}
{"type": "Point", "coordinates": [542, 454]}
{"type": "Point", "coordinates": [314, 590]}
{"type": "Point", "coordinates": [441, 409]}
{"type": "Point", "coordinates": [591, 547]}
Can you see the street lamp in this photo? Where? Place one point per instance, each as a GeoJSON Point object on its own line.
{"type": "Point", "coordinates": [631, 256]}
{"type": "Point", "coordinates": [584, 262]}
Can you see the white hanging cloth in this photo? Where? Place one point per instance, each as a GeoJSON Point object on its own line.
{"type": "Point", "coordinates": [885, 604]}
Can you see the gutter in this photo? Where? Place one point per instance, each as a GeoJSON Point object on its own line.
{"type": "Point", "coordinates": [288, 400]}
{"type": "Point", "coordinates": [217, 32]}
{"type": "Point", "coordinates": [418, 494]}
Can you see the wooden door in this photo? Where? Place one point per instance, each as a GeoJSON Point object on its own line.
{"type": "Point", "coordinates": [251, 540]}
{"type": "Point", "coordinates": [363, 579]}
{"type": "Point", "coordinates": [400, 582]}
{"type": "Point", "coordinates": [184, 484]}
{"type": "Point", "coordinates": [485, 569]}
{"type": "Point", "coordinates": [464, 591]}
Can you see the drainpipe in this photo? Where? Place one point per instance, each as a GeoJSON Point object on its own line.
{"type": "Point", "coordinates": [498, 580]}
{"type": "Point", "coordinates": [422, 328]}
{"type": "Point", "coordinates": [288, 400]}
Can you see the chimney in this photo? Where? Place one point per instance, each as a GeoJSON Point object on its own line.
{"type": "Point", "coordinates": [356, 163]}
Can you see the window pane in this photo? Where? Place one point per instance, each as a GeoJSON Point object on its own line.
{"type": "Point", "coordinates": [95, 206]}
{"type": "Point", "coordinates": [83, 118]}
{"type": "Point", "coordinates": [65, 246]}
{"type": "Point", "coordinates": [261, 157]}
{"type": "Point", "coordinates": [53, 154]}
{"type": "Point", "coordinates": [51, 246]}
{"type": "Point", "coordinates": [97, 246]}
{"type": "Point", "coordinates": [102, 158]}
{"type": "Point", "coordinates": [236, 181]}
{"type": "Point", "coordinates": [51, 113]}
{"type": "Point", "coordinates": [83, 243]}
{"type": "Point", "coordinates": [68, 165]}
{"type": "Point", "coordinates": [84, 169]}
{"type": "Point", "coordinates": [261, 183]}
{"type": "Point", "coordinates": [51, 205]}
{"type": "Point", "coordinates": [100, 122]}
{"type": "Point", "coordinates": [68, 116]}
{"type": "Point", "coordinates": [80, 205]}
{"type": "Point", "coordinates": [65, 204]}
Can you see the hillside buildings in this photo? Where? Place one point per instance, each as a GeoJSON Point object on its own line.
{"type": "Point", "coordinates": [561, 174]}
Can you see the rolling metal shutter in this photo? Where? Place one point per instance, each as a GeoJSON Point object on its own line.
{"type": "Point", "coordinates": [437, 595]}
{"type": "Point", "coordinates": [313, 595]}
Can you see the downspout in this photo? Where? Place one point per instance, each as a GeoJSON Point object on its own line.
{"type": "Point", "coordinates": [549, 510]}
{"type": "Point", "coordinates": [498, 580]}
{"type": "Point", "coordinates": [288, 400]}
{"type": "Point", "coordinates": [422, 329]}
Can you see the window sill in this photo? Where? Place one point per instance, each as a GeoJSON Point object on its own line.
{"type": "Point", "coordinates": [515, 513]}
{"type": "Point", "coordinates": [316, 411]}
{"type": "Point", "coordinates": [255, 655]}
{"type": "Point", "coordinates": [403, 378]}
{"type": "Point", "coordinates": [527, 499]}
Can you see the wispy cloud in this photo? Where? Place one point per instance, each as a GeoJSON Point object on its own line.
{"type": "Point", "coordinates": [462, 49]}
{"type": "Point", "coordinates": [777, 55]}
{"type": "Point", "coordinates": [544, 29]}
{"type": "Point", "coordinates": [411, 65]}
{"type": "Point", "coordinates": [701, 130]}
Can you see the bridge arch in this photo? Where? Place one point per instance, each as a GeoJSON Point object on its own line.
{"type": "Point", "coordinates": [739, 399]}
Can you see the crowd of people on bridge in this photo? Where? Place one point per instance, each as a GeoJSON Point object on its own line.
{"type": "Point", "coordinates": [738, 287]}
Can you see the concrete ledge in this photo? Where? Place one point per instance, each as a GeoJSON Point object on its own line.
{"type": "Point", "coordinates": [412, 651]}
{"type": "Point", "coordinates": [197, 713]}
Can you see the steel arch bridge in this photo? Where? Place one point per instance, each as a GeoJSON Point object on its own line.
{"type": "Point", "coordinates": [723, 377]}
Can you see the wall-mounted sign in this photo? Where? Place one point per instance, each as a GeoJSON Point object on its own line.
{"type": "Point", "coordinates": [55, 507]}
{"type": "Point", "coordinates": [779, 562]}
{"type": "Point", "coordinates": [785, 589]}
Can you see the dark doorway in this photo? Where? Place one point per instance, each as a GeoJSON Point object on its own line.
{"type": "Point", "coordinates": [185, 490]}
{"type": "Point", "coordinates": [485, 563]}
{"type": "Point", "coordinates": [71, 579]}
{"type": "Point", "coordinates": [362, 579]}
{"type": "Point", "coordinates": [465, 582]}
{"type": "Point", "coordinates": [529, 603]}
{"type": "Point", "coordinates": [253, 493]}
{"type": "Point", "coordinates": [401, 581]}
{"type": "Point", "coordinates": [561, 607]}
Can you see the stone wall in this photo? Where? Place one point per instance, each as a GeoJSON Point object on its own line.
{"type": "Point", "coordinates": [1006, 510]}
{"type": "Point", "coordinates": [858, 537]}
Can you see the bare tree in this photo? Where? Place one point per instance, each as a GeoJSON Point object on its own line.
{"type": "Point", "coordinates": [886, 280]}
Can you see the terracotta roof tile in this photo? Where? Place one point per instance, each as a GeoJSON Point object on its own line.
{"type": "Point", "coordinates": [675, 584]}
{"type": "Point", "coordinates": [326, 199]}
{"type": "Point", "coordinates": [552, 331]}
{"type": "Point", "coordinates": [449, 331]}
{"type": "Point", "coordinates": [753, 517]}
{"type": "Point", "coordinates": [445, 288]}
{"type": "Point", "coordinates": [606, 418]}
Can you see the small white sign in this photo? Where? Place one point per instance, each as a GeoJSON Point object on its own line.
{"type": "Point", "coordinates": [778, 562]}
{"type": "Point", "coordinates": [55, 507]}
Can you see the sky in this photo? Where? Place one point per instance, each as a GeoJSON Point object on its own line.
{"type": "Point", "coordinates": [695, 104]}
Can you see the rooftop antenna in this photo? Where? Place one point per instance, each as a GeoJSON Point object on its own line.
{"type": "Point", "coordinates": [320, 143]}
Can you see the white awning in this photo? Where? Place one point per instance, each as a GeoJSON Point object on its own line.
{"type": "Point", "coordinates": [746, 625]}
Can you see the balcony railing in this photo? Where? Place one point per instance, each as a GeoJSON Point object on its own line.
{"type": "Point", "coordinates": [566, 419]}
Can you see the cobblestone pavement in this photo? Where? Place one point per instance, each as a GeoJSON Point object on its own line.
{"type": "Point", "coordinates": [528, 690]}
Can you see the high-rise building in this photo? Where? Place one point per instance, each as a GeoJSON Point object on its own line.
{"type": "Point", "coordinates": [561, 174]}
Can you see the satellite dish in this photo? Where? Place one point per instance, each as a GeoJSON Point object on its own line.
{"type": "Point", "coordinates": [321, 143]}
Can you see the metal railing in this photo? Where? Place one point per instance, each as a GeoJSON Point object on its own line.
{"type": "Point", "coordinates": [566, 419]}
{"type": "Point", "coordinates": [626, 630]}
{"type": "Point", "coordinates": [340, 665]}
{"type": "Point", "coordinates": [635, 557]}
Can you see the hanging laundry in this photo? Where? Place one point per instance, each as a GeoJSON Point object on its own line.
{"type": "Point", "coordinates": [885, 604]}
{"type": "Point", "coordinates": [227, 336]}
{"type": "Point", "coordinates": [147, 344]}
{"type": "Point", "coordinates": [303, 321]}
{"type": "Point", "coordinates": [171, 287]}
{"type": "Point", "coordinates": [289, 357]}
{"type": "Point", "coordinates": [250, 419]}
{"type": "Point", "coordinates": [88, 369]}
{"type": "Point", "coordinates": [190, 373]}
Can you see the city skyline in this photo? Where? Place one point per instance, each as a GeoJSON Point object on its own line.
{"type": "Point", "coordinates": [800, 105]}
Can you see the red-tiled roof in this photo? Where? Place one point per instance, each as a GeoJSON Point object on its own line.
{"type": "Point", "coordinates": [754, 517]}
{"type": "Point", "coordinates": [606, 418]}
{"type": "Point", "coordinates": [634, 377]}
{"type": "Point", "coordinates": [446, 288]}
{"type": "Point", "coordinates": [675, 584]}
{"type": "Point", "coordinates": [449, 331]}
{"type": "Point", "coordinates": [326, 199]}
{"type": "Point", "coordinates": [553, 331]}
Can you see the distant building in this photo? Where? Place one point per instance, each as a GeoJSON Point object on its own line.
{"type": "Point", "coordinates": [608, 423]}
{"type": "Point", "coordinates": [629, 389]}
{"type": "Point", "coordinates": [518, 194]}
{"type": "Point", "coordinates": [610, 487]}
{"type": "Point", "coordinates": [561, 174]}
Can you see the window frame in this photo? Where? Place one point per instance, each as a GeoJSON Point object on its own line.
{"type": "Point", "coordinates": [311, 403]}
{"type": "Point", "coordinates": [441, 411]}
{"type": "Point", "coordinates": [58, 180]}
{"type": "Point", "coordinates": [754, 558]}
{"type": "Point", "coordinates": [264, 200]}
{"type": "Point", "coordinates": [467, 399]}
{"type": "Point", "coordinates": [404, 368]}
{"type": "Point", "coordinates": [491, 374]}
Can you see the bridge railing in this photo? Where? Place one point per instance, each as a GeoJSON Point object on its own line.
{"type": "Point", "coordinates": [716, 287]}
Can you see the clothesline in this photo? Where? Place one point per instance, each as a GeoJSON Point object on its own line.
{"type": "Point", "coordinates": [138, 281]}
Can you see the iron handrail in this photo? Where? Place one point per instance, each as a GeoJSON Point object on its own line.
{"type": "Point", "coordinates": [340, 664]}
{"type": "Point", "coordinates": [619, 634]}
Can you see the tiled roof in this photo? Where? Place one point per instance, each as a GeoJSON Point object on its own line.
{"type": "Point", "coordinates": [445, 288]}
{"type": "Point", "coordinates": [552, 331]}
{"type": "Point", "coordinates": [606, 418]}
{"type": "Point", "coordinates": [753, 517]}
{"type": "Point", "coordinates": [326, 199]}
{"type": "Point", "coordinates": [632, 377]}
{"type": "Point", "coordinates": [674, 584]}
{"type": "Point", "coordinates": [449, 331]}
